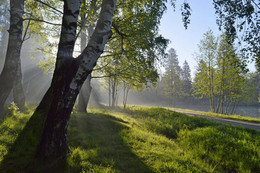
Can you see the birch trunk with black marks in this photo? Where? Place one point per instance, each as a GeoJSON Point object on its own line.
{"type": "Point", "coordinates": [69, 75]}
{"type": "Point", "coordinates": [9, 71]}
{"type": "Point", "coordinates": [83, 42]}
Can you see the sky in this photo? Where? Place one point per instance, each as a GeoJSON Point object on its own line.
{"type": "Point", "coordinates": [185, 42]}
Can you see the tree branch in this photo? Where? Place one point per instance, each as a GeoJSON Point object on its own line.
{"type": "Point", "coordinates": [255, 4]}
{"type": "Point", "coordinates": [117, 30]}
{"type": "Point", "coordinates": [26, 29]}
{"type": "Point", "coordinates": [101, 67]}
{"type": "Point", "coordinates": [40, 20]}
{"type": "Point", "coordinates": [49, 6]}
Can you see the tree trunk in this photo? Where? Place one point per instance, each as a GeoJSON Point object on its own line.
{"type": "Point", "coordinates": [222, 104]}
{"type": "Point", "coordinates": [109, 91]}
{"type": "Point", "coordinates": [114, 91]}
{"type": "Point", "coordinates": [126, 91]}
{"type": "Point", "coordinates": [218, 104]}
{"type": "Point", "coordinates": [227, 106]}
{"type": "Point", "coordinates": [85, 92]}
{"type": "Point", "coordinates": [69, 76]}
{"type": "Point", "coordinates": [18, 92]}
{"type": "Point", "coordinates": [9, 72]}
{"type": "Point", "coordinates": [234, 107]}
{"type": "Point", "coordinates": [84, 95]}
{"type": "Point", "coordinates": [83, 41]}
{"type": "Point", "coordinates": [3, 31]}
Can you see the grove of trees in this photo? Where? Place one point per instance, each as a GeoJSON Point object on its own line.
{"type": "Point", "coordinates": [220, 76]}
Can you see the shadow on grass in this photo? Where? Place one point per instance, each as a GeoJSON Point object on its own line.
{"type": "Point", "coordinates": [21, 154]}
{"type": "Point", "coordinates": [95, 142]}
{"type": "Point", "coordinates": [99, 136]}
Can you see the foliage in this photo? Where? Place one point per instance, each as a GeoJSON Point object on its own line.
{"type": "Point", "coordinates": [205, 76]}
{"type": "Point", "coordinates": [230, 83]}
{"type": "Point", "coordinates": [130, 56]}
{"type": "Point", "coordinates": [253, 82]}
{"type": "Point", "coordinates": [41, 23]}
{"type": "Point", "coordinates": [240, 19]}
{"type": "Point", "coordinates": [220, 74]}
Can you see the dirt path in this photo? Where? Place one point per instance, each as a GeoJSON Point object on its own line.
{"type": "Point", "coordinates": [245, 124]}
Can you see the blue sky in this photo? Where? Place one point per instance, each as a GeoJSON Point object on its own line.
{"type": "Point", "coordinates": [185, 42]}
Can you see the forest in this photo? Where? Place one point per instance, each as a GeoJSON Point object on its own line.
{"type": "Point", "coordinates": [94, 86]}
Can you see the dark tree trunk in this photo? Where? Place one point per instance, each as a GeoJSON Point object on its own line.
{"type": "Point", "coordinates": [62, 98]}
{"type": "Point", "coordinates": [9, 72]}
{"type": "Point", "coordinates": [69, 76]}
{"type": "Point", "coordinates": [53, 140]}
{"type": "Point", "coordinates": [18, 92]}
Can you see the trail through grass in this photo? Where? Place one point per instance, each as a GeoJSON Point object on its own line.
{"type": "Point", "coordinates": [235, 117]}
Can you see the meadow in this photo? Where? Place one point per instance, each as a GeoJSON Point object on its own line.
{"type": "Point", "coordinates": [138, 139]}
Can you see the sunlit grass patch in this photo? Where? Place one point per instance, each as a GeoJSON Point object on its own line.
{"type": "Point", "coordinates": [231, 150]}
{"type": "Point", "coordinates": [220, 147]}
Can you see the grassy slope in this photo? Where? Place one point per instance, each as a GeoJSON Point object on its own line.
{"type": "Point", "coordinates": [139, 139]}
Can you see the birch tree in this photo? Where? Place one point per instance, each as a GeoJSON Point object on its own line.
{"type": "Point", "coordinates": [206, 73]}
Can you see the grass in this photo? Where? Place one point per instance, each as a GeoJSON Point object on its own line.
{"type": "Point", "coordinates": [235, 117]}
{"type": "Point", "coordinates": [139, 139]}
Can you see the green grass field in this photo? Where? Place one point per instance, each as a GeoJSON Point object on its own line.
{"type": "Point", "coordinates": [139, 139]}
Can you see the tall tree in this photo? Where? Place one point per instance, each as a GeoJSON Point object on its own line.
{"type": "Point", "coordinates": [172, 77]}
{"type": "Point", "coordinates": [4, 24]}
{"type": "Point", "coordinates": [206, 72]}
{"type": "Point", "coordinates": [186, 78]}
{"type": "Point", "coordinates": [228, 75]}
{"type": "Point", "coordinates": [224, 79]}
{"type": "Point", "coordinates": [58, 102]}
{"type": "Point", "coordinates": [10, 70]}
